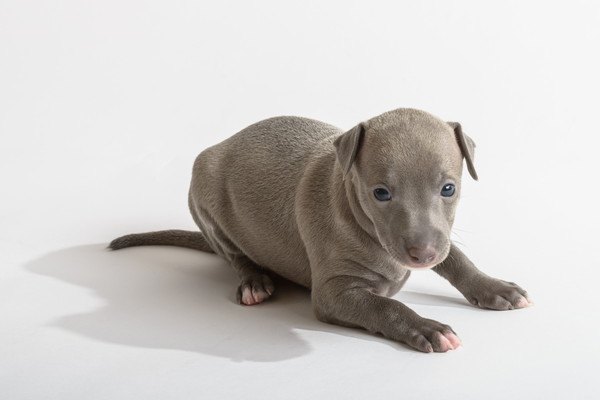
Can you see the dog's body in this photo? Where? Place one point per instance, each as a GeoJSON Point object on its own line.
{"type": "Point", "coordinates": [245, 191]}
{"type": "Point", "coordinates": [345, 214]}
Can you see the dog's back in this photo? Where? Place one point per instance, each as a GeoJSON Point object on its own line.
{"type": "Point", "coordinates": [243, 192]}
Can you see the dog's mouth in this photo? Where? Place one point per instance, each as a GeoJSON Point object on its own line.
{"type": "Point", "coordinates": [407, 263]}
{"type": "Point", "coordinates": [403, 259]}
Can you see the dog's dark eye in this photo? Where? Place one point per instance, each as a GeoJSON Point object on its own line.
{"type": "Point", "coordinates": [382, 194]}
{"type": "Point", "coordinates": [448, 190]}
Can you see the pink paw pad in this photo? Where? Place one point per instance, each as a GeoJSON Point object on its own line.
{"type": "Point", "coordinates": [449, 341]}
{"type": "Point", "coordinates": [255, 290]}
{"type": "Point", "coordinates": [522, 303]}
{"type": "Point", "coordinates": [247, 297]}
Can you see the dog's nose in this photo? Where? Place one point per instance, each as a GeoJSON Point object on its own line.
{"type": "Point", "coordinates": [422, 255]}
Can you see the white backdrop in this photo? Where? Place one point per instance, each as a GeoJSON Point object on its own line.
{"type": "Point", "coordinates": [105, 104]}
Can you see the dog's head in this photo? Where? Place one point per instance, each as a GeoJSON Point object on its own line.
{"type": "Point", "coordinates": [405, 167]}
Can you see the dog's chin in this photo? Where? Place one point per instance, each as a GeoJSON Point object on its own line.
{"type": "Point", "coordinates": [420, 267]}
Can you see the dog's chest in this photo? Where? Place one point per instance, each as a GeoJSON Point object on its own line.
{"type": "Point", "coordinates": [392, 275]}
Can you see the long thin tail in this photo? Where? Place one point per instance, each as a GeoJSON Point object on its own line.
{"type": "Point", "coordinates": [189, 239]}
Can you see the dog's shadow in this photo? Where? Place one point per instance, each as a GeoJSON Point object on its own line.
{"type": "Point", "coordinates": [171, 298]}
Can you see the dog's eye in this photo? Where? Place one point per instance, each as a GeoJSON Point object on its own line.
{"type": "Point", "coordinates": [448, 190]}
{"type": "Point", "coordinates": [382, 194]}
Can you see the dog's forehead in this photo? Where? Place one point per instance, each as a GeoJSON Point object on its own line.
{"type": "Point", "coordinates": [405, 127]}
{"type": "Point", "coordinates": [406, 117]}
{"type": "Point", "coordinates": [433, 138]}
{"type": "Point", "coordinates": [415, 143]}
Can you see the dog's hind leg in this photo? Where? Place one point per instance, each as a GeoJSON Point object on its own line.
{"type": "Point", "coordinates": [255, 286]}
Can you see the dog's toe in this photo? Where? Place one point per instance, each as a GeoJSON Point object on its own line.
{"type": "Point", "coordinates": [496, 294]}
{"type": "Point", "coordinates": [254, 290]}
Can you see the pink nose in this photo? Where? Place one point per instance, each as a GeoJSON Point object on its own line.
{"type": "Point", "coordinates": [422, 255]}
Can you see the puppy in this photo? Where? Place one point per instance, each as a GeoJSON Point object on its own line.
{"type": "Point", "coordinates": [347, 214]}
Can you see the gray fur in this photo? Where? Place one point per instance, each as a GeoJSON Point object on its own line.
{"type": "Point", "coordinates": [172, 237]}
{"type": "Point", "coordinates": [294, 196]}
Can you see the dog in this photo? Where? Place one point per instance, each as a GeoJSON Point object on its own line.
{"type": "Point", "coordinates": [347, 214]}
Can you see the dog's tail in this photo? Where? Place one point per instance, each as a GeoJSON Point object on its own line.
{"type": "Point", "coordinates": [189, 239]}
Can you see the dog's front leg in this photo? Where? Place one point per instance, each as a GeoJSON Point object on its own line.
{"type": "Point", "coordinates": [478, 288]}
{"type": "Point", "coordinates": [351, 301]}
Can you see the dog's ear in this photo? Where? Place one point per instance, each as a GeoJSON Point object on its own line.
{"type": "Point", "coordinates": [467, 147]}
{"type": "Point", "coordinates": [347, 146]}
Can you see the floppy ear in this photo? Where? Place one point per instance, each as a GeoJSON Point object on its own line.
{"type": "Point", "coordinates": [467, 147]}
{"type": "Point", "coordinates": [347, 146]}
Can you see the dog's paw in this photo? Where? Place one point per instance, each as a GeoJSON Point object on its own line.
{"type": "Point", "coordinates": [428, 335]}
{"type": "Point", "coordinates": [496, 294]}
{"type": "Point", "coordinates": [255, 289]}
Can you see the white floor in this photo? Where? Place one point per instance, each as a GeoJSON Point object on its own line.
{"type": "Point", "coordinates": [105, 107]}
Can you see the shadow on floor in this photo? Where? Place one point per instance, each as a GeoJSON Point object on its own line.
{"type": "Point", "coordinates": [172, 298]}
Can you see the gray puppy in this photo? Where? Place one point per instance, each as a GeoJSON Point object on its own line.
{"type": "Point", "coordinates": [346, 214]}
